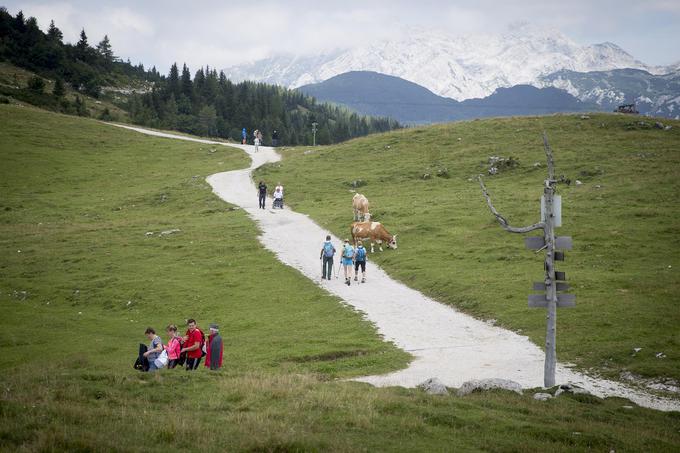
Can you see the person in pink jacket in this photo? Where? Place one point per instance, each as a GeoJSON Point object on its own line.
{"type": "Point", "coordinates": [174, 345]}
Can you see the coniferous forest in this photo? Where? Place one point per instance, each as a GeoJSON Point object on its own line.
{"type": "Point", "coordinates": [203, 103]}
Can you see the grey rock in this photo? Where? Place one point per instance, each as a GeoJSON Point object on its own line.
{"type": "Point", "coordinates": [668, 128]}
{"type": "Point", "coordinates": [148, 233]}
{"type": "Point", "coordinates": [542, 396]}
{"type": "Point", "coordinates": [434, 386]}
{"type": "Point", "coordinates": [578, 183]}
{"type": "Point", "coordinates": [659, 125]}
{"type": "Point", "coordinates": [489, 384]}
{"type": "Point", "coordinates": [168, 232]}
{"type": "Point", "coordinates": [571, 388]}
{"type": "Point", "coordinates": [585, 117]}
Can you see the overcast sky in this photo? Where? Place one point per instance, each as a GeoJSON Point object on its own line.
{"type": "Point", "coordinates": [224, 33]}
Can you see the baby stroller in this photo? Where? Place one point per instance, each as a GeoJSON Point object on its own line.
{"type": "Point", "coordinates": [278, 203]}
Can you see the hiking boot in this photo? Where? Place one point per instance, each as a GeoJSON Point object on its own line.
{"type": "Point", "coordinates": [356, 278]}
{"type": "Point", "coordinates": [363, 280]}
{"type": "Point", "coordinates": [348, 281]}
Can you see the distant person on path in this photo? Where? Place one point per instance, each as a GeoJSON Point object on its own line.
{"type": "Point", "coordinates": [275, 138]}
{"type": "Point", "coordinates": [327, 254]}
{"type": "Point", "coordinates": [214, 348]}
{"type": "Point", "coordinates": [244, 136]}
{"type": "Point", "coordinates": [360, 261]}
{"type": "Point", "coordinates": [262, 193]}
{"type": "Point", "coordinates": [278, 196]}
{"type": "Point", "coordinates": [193, 342]}
{"type": "Point", "coordinates": [259, 137]}
{"type": "Point", "coordinates": [256, 142]}
{"type": "Point", "coordinates": [174, 346]}
{"type": "Point", "coordinates": [347, 257]}
{"type": "Point", "coordinates": [155, 348]}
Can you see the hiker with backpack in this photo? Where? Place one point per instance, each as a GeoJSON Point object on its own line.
{"type": "Point", "coordinates": [262, 193]}
{"type": "Point", "coordinates": [360, 261]}
{"type": "Point", "coordinates": [327, 254]}
{"type": "Point", "coordinates": [347, 258]}
{"type": "Point", "coordinates": [193, 345]}
{"type": "Point", "coordinates": [174, 346]}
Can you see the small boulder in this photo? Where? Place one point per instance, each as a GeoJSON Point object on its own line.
{"type": "Point", "coordinates": [434, 386]}
{"type": "Point", "coordinates": [578, 183]}
{"type": "Point", "coordinates": [571, 388]}
{"type": "Point", "coordinates": [168, 232]}
{"type": "Point", "coordinates": [585, 117]}
{"type": "Point", "coordinates": [668, 128]}
{"type": "Point", "coordinates": [489, 384]}
{"type": "Point", "coordinates": [659, 125]}
{"type": "Point", "coordinates": [542, 396]}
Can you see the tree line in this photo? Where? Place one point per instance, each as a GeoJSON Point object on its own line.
{"type": "Point", "coordinates": [205, 104]}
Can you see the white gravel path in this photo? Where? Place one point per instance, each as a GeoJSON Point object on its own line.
{"type": "Point", "coordinates": [446, 343]}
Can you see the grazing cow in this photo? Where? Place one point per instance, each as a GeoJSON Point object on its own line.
{"type": "Point", "coordinates": [373, 231]}
{"type": "Point", "coordinates": [360, 205]}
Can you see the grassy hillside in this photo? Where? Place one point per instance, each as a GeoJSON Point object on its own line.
{"type": "Point", "coordinates": [623, 219]}
{"type": "Point", "coordinates": [81, 280]}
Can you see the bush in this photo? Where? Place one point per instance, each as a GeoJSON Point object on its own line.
{"type": "Point", "coordinates": [36, 84]}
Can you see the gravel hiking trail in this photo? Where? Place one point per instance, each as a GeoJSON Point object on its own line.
{"type": "Point", "coordinates": [444, 342]}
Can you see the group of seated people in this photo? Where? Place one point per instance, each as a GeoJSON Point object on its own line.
{"type": "Point", "coordinates": [183, 351]}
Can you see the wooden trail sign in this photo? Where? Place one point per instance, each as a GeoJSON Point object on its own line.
{"type": "Point", "coordinates": [551, 218]}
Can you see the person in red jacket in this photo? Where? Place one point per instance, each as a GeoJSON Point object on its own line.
{"type": "Point", "coordinates": [214, 348]}
{"type": "Point", "coordinates": [193, 344]}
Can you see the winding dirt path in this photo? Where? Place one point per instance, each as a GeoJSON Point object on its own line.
{"type": "Point", "coordinates": [446, 343]}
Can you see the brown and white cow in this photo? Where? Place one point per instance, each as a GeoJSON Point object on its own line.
{"type": "Point", "coordinates": [373, 231]}
{"type": "Point", "coordinates": [360, 206]}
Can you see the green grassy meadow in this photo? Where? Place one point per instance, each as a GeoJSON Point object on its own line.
{"type": "Point", "coordinates": [80, 280]}
{"type": "Point", "coordinates": [624, 220]}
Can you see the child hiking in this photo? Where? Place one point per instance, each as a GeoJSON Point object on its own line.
{"type": "Point", "coordinates": [327, 254]}
{"type": "Point", "coordinates": [347, 257]}
{"type": "Point", "coordinates": [262, 193]}
{"type": "Point", "coordinates": [360, 261]}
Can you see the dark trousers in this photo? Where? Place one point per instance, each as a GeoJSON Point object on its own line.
{"type": "Point", "coordinates": [327, 271]}
{"type": "Point", "coordinates": [263, 197]}
{"type": "Point", "coordinates": [172, 363]}
{"type": "Point", "coordinates": [192, 364]}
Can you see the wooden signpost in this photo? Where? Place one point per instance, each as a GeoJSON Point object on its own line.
{"type": "Point", "coordinates": [554, 282]}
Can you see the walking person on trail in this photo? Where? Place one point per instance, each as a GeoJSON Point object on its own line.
{"type": "Point", "coordinates": [347, 258]}
{"type": "Point", "coordinates": [262, 193]}
{"type": "Point", "coordinates": [256, 142]}
{"type": "Point", "coordinates": [193, 344]}
{"type": "Point", "coordinates": [174, 346]}
{"type": "Point", "coordinates": [214, 348]}
{"type": "Point", "coordinates": [327, 254]}
{"type": "Point", "coordinates": [275, 138]}
{"type": "Point", "coordinates": [154, 350]}
{"type": "Point", "coordinates": [360, 261]}
{"type": "Point", "coordinates": [244, 136]}
{"type": "Point", "coordinates": [259, 137]}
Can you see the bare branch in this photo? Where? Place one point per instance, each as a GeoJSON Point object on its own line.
{"type": "Point", "coordinates": [501, 220]}
{"type": "Point", "coordinates": [549, 157]}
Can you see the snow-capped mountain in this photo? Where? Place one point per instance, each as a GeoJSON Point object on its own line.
{"type": "Point", "coordinates": [657, 95]}
{"type": "Point", "coordinates": [459, 67]}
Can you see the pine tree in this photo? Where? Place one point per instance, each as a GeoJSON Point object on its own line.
{"type": "Point", "coordinates": [58, 90]}
{"type": "Point", "coordinates": [82, 45]}
{"type": "Point", "coordinates": [187, 86]}
{"type": "Point", "coordinates": [173, 81]}
{"type": "Point", "coordinates": [104, 50]}
{"type": "Point", "coordinates": [54, 33]}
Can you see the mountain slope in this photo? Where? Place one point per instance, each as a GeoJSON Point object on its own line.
{"type": "Point", "coordinates": [657, 95]}
{"type": "Point", "coordinates": [459, 67]}
{"type": "Point", "coordinates": [372, 93]}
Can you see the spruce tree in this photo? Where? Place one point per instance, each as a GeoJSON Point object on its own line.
{"type": "Point", "coordinates": [54, 33]}
{"type": "Point", "coordinates": [105, 51]}
{"type": "Point", "coordinates": [58, 90]}
{"type": "Point", "coordinates": [187, 86]}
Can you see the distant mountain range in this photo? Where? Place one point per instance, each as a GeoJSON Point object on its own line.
{"type": "Point", "coordinates": [490, 71]}
{"type": "Point", "coordinates": [377, 94]}
{"type": "Point", "coordinates": [457, 67]}
{"type": "Point", "coordinates": [657, 95]}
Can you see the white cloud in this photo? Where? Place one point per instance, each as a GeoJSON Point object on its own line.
{"type": "Point", "coordinates": [222, 33]}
